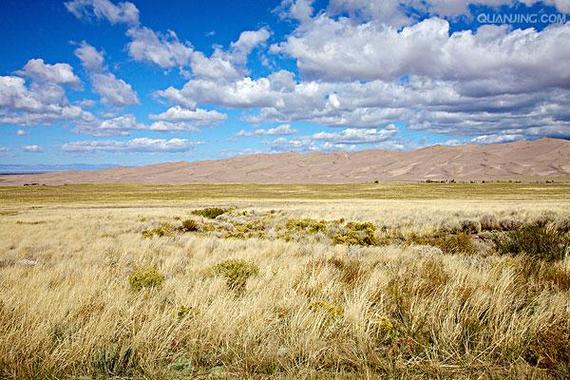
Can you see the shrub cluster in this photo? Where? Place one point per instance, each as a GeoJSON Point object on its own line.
{"type": "Point", "coordinates": [165, 229]}
{"type": "Point", "coordinates": [356, 233]}
{"type": "Point", "coordinates": [146, 278]}
{"type": "Point", "coordinates": [189, 225]}
{"type": "Point", "coordinates": [538, 241]}
{"type": "Point", "coordinates": [210, 212]}
{"type": "Point", "coordinates": [236, 272]}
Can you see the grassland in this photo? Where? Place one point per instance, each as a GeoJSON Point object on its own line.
{"type": "Point", "coordinates": [315, 281]}
{"type": "Point", "coordinates": [150, 193]}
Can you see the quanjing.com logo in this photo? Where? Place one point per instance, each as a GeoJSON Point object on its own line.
{"type": "Point", "coordinates": [521, 18]}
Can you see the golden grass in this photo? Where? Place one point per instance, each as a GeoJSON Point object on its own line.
{"type": "Point", "coordinates": [192, 192]}
{"type": "Point", "coordinates": [314, 309]}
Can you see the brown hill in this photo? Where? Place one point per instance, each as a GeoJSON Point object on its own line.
{"type": "Point", "coordinates": [525, 160]}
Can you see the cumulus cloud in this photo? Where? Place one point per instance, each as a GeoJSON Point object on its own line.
{"type": "Point", "coordinates": [59, 73]}
{"type": "Point", "coordinates": [113, 91]}
{"type": "Point", "coordinates": [91, 59]}
{"type": "Point", "coordinates": [349, 138]}
{"type": "Point", "coordinates": [21, 132]}
{"type": "Point", "coordinates": [119, 125]}
{"type": "Point", "coordinates": [164, 50]}
{"type": "Point", "coordinates": [198, 116]}
{"type": "Point", "coordinates": [36, 103]}
{"type": "Point", "coordinates": [282, 130]}
{"type": "Point", "coordinates": [357, 136]}
{"type": "Point", "coordinates": [370, 51]}
{"type": "Point", "coordinates": [178, 119]}
{"type": "Point", "coordinates": [138, 145]}
{"type": "Point", "coordinates": [4, 150]}
{"type": "Point", "coordinates": [122, 12]}
{"type": "Point", "coordinates": [32, 149]}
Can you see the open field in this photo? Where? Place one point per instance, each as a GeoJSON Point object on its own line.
{"type": "Point", "coordinates": [348, 281]}
{"type": "Point", "coordinates": [191, 192]}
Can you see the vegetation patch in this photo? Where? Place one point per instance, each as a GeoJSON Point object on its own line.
{"type": "Point", "coordinates": [356, 233]}
{"type": "Point", "coordinates": [146, 278]}
{"type": "Point", "coordinates": [543, 242]}
{"type": "Point", "coordinates": [210, 212]}
{"type": "Point", "coordinates": [329, 309]}
{"type": "Point", "coordinates": [190, 225]}
{"type": "Point", "coordinates": [165, 229]}
{"type": "Point", "coordinates": [236, 272]}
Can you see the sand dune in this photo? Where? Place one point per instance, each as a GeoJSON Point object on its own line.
{"type": "Point", "coordinates": [546, 158]}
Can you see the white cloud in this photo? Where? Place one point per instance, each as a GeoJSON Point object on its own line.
{"type": "Point", "coordinates": [21, 132]}
{"type": "Point", "coordinates": [357, 136]}
{"type": "Point", "coordinates": [228, 65]}
{"type": "Point", "coordinates": [32, 149]}
{"type": "Point", "coordinates": [119, 125]}
{"type": "Point", "coordinates": [346, 139]}
{"type": "Point", "coordinates": [168, 126]}
{"type": "Point", "coordinates": [198, 116]}
{"type": "Point", "coordinates": [138, 145]}
{"type": "Point", "coordinates": [178, 119]}
{"type": "Point", "coordinates": [123, 12]}
{"type": "Point", "coordinates": [371, 51]}
{"type": "Point", "coordinates": [113, 91]}
{"type": "Point", "coordinates": [91, 59]}
{"type": "Point", "coordinates": [164, 50]}
{"type": "Point", "coordinates": [300, 10]}
{"type": "Point", "coordinates": [4, 150]}
{"type": "Point", "coordinates": [59, 73]}
{"type": "Point", "coordinates": [282, 130]}
{"type": "Point", "coordinates": [38, 103]}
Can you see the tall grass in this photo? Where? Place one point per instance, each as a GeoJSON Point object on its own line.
{"type": "Point", "coordinates": [71, 305]}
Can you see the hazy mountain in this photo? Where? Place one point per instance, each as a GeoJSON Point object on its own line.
{"type": "Point", "coordinates": [546, 158]}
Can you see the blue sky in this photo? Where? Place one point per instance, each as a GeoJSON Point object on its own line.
{"type": "Point", "coordinates": [132, 83]}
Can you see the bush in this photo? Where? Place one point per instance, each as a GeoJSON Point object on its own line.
{"type": "Point", "coordinates": [210, 212]}
{"type": "Point", "coordinates": [236, 272]}
{"type": "Point", "coordinates": [456, 244]}
{"type": "Point", "coordinates": [146, 278]}
{"type": "Point", "coordinates": [489, 222]}
{"type": "Point", "coordinates": [190, 225]}
{"type": "Point", "coordinates": [470, 226]}
{"type": "Point", "coordinates": [165, 229]}
{"type": "Point", "coordinates": [357, 234]}
{"type": "Point", "coordinates": [306, 224]}
{"type": "Point", "coordinates": [537, 241]}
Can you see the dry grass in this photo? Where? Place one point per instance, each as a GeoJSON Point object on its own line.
{"type": "Point", "coordinates": [305, 307]}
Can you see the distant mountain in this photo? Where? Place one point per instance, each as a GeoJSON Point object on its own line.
{"type": "Point", "coordinates": [525, 160]}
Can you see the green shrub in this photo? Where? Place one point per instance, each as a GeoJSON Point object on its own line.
{"type": "Point", "coordinates": [536, 241]}
{"type": "Point", "coordinates": [190, 225]}
{"type": "Point", "coordinates": [455, 244]}
{"type": "Point", "coordinates": [356, 233]}
{"type": "Point", "coordinates": [165, 229]}
{"type": "Point", "coordinates": [236, 272]}
{"type": "Point", "coordinates": [307, 225]}
{"type": "Point", "coordinates": [146, 278]}
{"type": "Point", "coordinates": [210, 212]}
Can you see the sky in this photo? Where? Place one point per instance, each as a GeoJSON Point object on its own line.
{"type": "Point", "coordinates": [90, 83]}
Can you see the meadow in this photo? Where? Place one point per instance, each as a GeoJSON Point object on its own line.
{"type": "Point", "coordinates": [391, 281]}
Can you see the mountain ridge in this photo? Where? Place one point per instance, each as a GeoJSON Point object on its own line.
{"type": "Point", "coordinates": [545, 158]}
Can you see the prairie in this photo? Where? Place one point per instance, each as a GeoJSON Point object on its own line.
{"type": "Point", "coordinates": [285, 281]}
